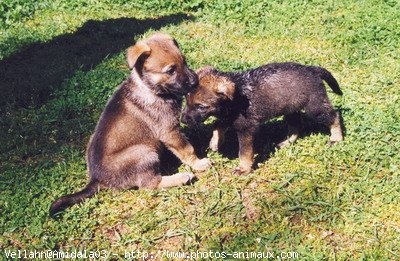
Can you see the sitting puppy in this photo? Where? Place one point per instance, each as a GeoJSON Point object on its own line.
{"type": "Point", "coordinates": [244, 100]}
{"type": "Point", "coordinates": [140, 117]}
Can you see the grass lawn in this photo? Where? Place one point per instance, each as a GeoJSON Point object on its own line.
{"type": "Point", "coordinates": [61, 60]}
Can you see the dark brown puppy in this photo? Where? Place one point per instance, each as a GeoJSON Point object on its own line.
{"type": "Point", "coordinates": [243, 100]}
{"type": "Point", "coordinates": [142, 114]}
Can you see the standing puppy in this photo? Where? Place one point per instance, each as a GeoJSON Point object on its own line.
{"type": "Point", "coordinates": [140, 117]}
{"type": "Point", "coordinates": [244, 100]}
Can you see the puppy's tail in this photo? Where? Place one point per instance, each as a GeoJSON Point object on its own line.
{"type": "Point", "coordinates": [69, 200]}
{"type": "Point", "coordinates": [328, 77]}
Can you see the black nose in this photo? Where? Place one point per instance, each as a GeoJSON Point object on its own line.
{"type": "Point", "coordinates": [184, 118]}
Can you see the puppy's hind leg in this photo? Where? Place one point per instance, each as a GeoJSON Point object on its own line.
{"type": "Point", "coordinates": [151, 178]}
{"type": "Point", "coordinates": [294, 125]}
{"type": "Point", "coordinates": [320, 109]}
{"type": "Point", "coordinates": [179, 179]}
{"type": "Point", "coordinates": [336, 131]}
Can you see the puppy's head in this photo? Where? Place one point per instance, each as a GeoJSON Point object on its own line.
{"type": "Point", "coordinates": [209, 97]}
{"type": "Point", "coordinates": [160, 65]}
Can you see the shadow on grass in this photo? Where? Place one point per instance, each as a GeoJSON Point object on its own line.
{"type": "Point", "coordinates": [34, 139]}
{"type": "Point", "coordinates": [29, 77]}
{"type": "Point", "coordinates": [266, 140]}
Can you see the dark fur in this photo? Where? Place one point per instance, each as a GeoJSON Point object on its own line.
{"type": "Point", "coordinates": [140, 117]}
{"type": "Point", "coordinates": [243, 100]}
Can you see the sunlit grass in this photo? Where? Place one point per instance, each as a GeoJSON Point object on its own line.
{"type": "Point", "coordinates": [339, 202]}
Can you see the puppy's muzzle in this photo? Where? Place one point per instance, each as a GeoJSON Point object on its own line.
{"type": "Point", "coordinates": [185, 119]}
{"type": "Point", "coordinates": [190, 121]}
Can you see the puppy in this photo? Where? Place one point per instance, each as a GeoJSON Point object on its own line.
{"type": "Point", "coordinates": [141, 117]}
{"type": "Point", "coordinates": [244, 100]}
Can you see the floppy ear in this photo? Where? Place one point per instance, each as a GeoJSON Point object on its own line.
{"type": "Point", "coordinates": [135, 52]}
{"type": "Point", "coordinates": [226, 88]}
{"type": "Point", "coordinates": [204, 70]}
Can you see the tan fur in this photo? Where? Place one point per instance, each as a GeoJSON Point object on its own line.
{"type": "Point", "coordinates": [134, 52]}
{"type": "Point", "coordinates": [141, 117]}
{"type": "Point", "coordinates": [226, 88]}
{"type": "Point", "coordinates": [336, 131]}
{"type": "Point", "coordinates": [175, 180]}
{"type": "Point", "coordinates": [293, 134]}
{"type": "Point", "coordinates": [244, 100]}
{"type": "Point", "coordinates": [217, 138]}
{"type": "Point", "coordinates": [133, 133]}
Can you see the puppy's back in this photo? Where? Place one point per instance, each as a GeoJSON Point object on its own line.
{"type": "Point", "coordinates": [118, 130]}
{"type": "Point", "coordinates": [285, 87]}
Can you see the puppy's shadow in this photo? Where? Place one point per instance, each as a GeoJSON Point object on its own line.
{"type": "Point", "coordinates": [35, 74]}
{"type": "Point", "coordinates": [30, 76]}
{"type": "Point", "coordinates": [266, 140]}
{"type": "Point", "coordinates": [198, 139]}
{"type": "Point", "coordinates": [169, 162]}
{"type": "Point", "coordinates": [272, 133]}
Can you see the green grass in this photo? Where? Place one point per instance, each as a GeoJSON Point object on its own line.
{"type": "Point", "coordinates": [340, 202]}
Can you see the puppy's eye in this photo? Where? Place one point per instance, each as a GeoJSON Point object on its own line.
{"type": "Point", "coordinates": [171, 70]}
{"type": "Point", "coordinates": [201, 106]}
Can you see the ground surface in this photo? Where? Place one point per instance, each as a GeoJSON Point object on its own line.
{"type": "Point", "coordinates": [61, 60]}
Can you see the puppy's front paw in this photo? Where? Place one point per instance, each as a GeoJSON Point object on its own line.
{"type": "Point", "coordinates": [214, 144]}
{"type": "Point", "coordinates": [241, 171]}
{"type": "Point", "coordinates": [283, 144]}
{"type": "Point", "coordinates": [332, 142]}
{"type": "Point", "coordinates": [202, 165]}
{"type": "Point", "coordinates": [186, 178]}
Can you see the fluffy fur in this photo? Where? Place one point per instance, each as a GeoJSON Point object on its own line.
{"type": "Point", "coordinates": [141, 117]}
{"type": "Point", "coordinates": [243, 100]}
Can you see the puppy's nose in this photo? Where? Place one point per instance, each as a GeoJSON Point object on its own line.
{"type": "Point", "coordinates": [184, 118]}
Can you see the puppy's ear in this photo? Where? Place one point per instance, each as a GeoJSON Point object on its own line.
{"type": "Point", "coordinates": [205, 70]}
{"type": "Point", "coordinates": [226, 89]}
{"type": "Point", "coordinates": [135, 52]}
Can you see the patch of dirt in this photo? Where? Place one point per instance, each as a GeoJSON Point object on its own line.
{"type": "Point", "coordinates": [173, 243]}
{"type": "Point", "coordinates": [296, 219]}
{"type": "Point", "coordinates": [248, 198]}
{"type": "Point", "coordinates": [115, 233]}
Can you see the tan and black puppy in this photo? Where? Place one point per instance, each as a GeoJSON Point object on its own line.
{"type": "Point", "coordinates": [140, 118]}
{"type": "Point", "coordinates": [243, 100]}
